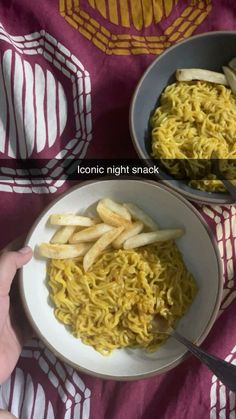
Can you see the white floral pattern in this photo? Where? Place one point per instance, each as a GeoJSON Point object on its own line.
{"type": "Point", "coordinates": [34, 107]}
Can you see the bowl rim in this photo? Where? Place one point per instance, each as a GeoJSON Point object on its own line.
{"type": "Point", "coordinates": [198, 341]}
{"type": "Point", "coordinates": [226, 199]}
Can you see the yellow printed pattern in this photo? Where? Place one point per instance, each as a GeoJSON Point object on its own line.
{"type": "Point", "coordinates": [137, 14]}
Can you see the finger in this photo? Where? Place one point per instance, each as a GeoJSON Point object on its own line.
{"type": "Point", "coordinates": [9, 263]}
{"type": "Point", "coordinates": [14, 245]}
{"type": "Point", "coordinates": [4, 414]}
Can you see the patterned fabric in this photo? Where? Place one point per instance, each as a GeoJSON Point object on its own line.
{"type": "Point", "coordinates": [67, 72]}
{"type": "Point", "coordinates": [176, 20]}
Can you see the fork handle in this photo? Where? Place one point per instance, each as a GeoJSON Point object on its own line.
{"type": "Point", "coordinates": [225, 371]}
{"type": "Point", "coordinates": [230, 187]}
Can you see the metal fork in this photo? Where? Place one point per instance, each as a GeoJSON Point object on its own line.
{"type": "Point", "coordinates": [228, 184]}
{"type": "Point", "coordinates": [225, 371]}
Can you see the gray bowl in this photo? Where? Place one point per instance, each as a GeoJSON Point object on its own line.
{"type": "Point", "coordinates": [210, 51]}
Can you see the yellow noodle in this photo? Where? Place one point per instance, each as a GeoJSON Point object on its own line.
{"type": "Point", "coordinates": [112, 305]}
{"type": "Point", "coordinates": [194, 120]}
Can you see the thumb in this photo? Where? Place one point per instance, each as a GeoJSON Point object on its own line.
{"type": "Point", "coordinates": [9, 263]}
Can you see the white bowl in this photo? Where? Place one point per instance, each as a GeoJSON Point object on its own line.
{"type": "Point", "coordinates": [200, 255]}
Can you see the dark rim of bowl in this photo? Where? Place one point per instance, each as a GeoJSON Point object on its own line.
{"type": "Point", "coordinates": [226, 199]}
{"type": "Point", "coordinates": [198, 341]}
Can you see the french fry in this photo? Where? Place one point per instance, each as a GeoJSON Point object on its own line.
{"type": "Point", "coordinates": [104, 241]}
{"type": "Point", "coordinates": [232, 64]}
{"type": "Point", "coordinates": [139, 215]}
{"type": "Point", "coordinates": [63, 251]}
{"type": "Point", "coordinates": [155, 236]}
{"type": "Point", "coordinates": [231, 77]}
{"type": "Point", "coordinates": [117, 208]}
{"type": "Point", "coordinates": [71, 220]}
{"type": "Point", "coordinates": [111, 217]}
{"type": "Point", "coordinates": [90, 234]}
{"type": "Point", "coordinates": [129, 232]}
{"type": "Point", "coordinates": [63, 234]}
{"type": "Point", "coordinates": [188, 74]}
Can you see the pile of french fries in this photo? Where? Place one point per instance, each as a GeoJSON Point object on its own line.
{"type": "Point", "coordinates": [121, 226]}
{"type": "Point", "coordinates": [228, 78]}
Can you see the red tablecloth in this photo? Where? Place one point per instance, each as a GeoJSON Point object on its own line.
{"type": "Point", "coordinates": [67, 72]}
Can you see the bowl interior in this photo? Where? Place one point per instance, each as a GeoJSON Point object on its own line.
{"type": "Point", "coordinates": [200, 256]}
{"type": "Point", "coordinates": [210, 51]}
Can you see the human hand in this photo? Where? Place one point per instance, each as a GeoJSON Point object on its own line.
{"type": "Point", "coordinates": [4, 414]}
{"type": "Point", "coordinates": [14, 327]}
